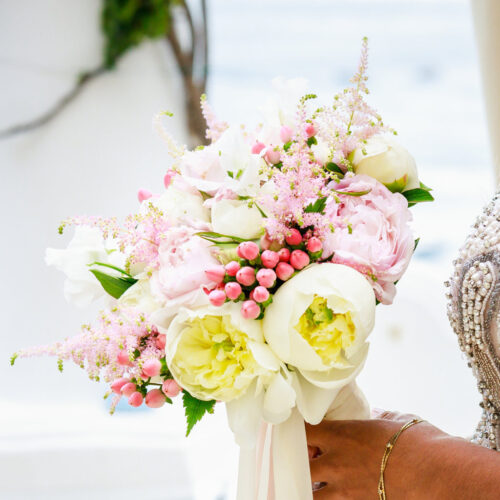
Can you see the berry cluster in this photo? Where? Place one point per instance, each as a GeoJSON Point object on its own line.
{"type": "Point", "coordinates": [255, 277]}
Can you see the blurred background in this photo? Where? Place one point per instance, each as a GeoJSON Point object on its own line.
{"type": "Point", "coordinates": [57, 440]}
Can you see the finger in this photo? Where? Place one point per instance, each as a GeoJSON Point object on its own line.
{"type": "Point", "coordinates": [325, 493]}
{"type": "Point", "coordinates": [319, 435]}
{"type": "Point", "coordinates": [321, 469]}
{"type": "Point", "coordinates": [395, 416]}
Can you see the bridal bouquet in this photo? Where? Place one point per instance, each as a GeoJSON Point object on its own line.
{"type": "Point", "coordinates": [252, 278]}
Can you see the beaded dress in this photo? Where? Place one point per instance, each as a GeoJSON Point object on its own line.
{"type": "Point", "coordinates": [474, 313]}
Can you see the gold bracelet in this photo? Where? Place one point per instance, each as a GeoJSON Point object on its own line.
{"type": "Point", "coordinates": [388, 448]}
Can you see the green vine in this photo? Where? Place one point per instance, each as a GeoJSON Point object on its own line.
{"type": "Point", "coordinates": [126, 24]}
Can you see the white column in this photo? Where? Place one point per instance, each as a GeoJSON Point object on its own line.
{"type": "Point", "coordinates": [487, 23]}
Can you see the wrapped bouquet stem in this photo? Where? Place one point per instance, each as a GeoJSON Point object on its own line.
{"type": "Point", "coordinates": [251, 277]}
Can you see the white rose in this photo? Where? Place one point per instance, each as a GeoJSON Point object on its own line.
{"type": "Point", "coordinates": [384, 159]}
{"type": "Point", "coordinates": [235, 218]}
{"type": "Point", "coordinates": [318, 323]}
{"type": "Point", "coordinates": [180, 204]}
{"type": "Point", "coordinates": [321, 151]}
{"type": "Point", "coordinates": [87, 246]}
{"type": "Point", "coordinates": [139, 296]}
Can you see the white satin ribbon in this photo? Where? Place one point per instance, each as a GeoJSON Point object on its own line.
{"type": "Point", "coordinates": [277, 468]}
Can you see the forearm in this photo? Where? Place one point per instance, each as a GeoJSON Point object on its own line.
{"type": "Point", "coordinates": [443, 467]}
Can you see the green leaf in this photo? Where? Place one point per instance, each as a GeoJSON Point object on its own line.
{"type": "Point", "coordinates": [213, 237]}
{"type": "Point", "coordinates": [195, 409]}
{"type": "Point", "coordinates": [417, 241]}
{"type": "Point", "coordinates": [287, 145]}
{"type": "Point", "coordinates": [352, 193]}
{"type": "Point", "coordinates": [13, 359]}
{"type": "Point", "coordinates": [333, 167]}
{"type": "Point", "coordinates": [317, 207]}
{"type": "Point", "coordinates": [103, 264]}
{"type": "Point", "coordinates": [398, 185]}
{"type": "Point", "coordinates": [417, 195]}
{"type": "Point", "coordinates": [423, 186]}
{"type": "Point", "coordinates": [312, 141]}
{"type": "Point", "coordinates": [60, 365]}
{"type": "Point", "coordinates": [112, 285]}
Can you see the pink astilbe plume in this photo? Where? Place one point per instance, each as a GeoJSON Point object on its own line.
{"type": "Point", "coordinates": [215, 127]}
{"type": "Point", "coordinates": [350, 121]}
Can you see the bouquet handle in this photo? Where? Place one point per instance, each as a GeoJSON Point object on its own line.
{"type": "Point", "coordinates": [278, 467]}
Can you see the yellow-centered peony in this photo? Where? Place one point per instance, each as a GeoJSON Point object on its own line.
{"type": "Point", "coordinates": [328, 333]}
{"type": "Point", "coordinates": [213, 357]}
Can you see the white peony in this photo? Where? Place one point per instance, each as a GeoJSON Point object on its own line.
{"type": "Point", "coordinates": [318, 323]}
{"type": "Point", "coordinates": [139, 296]}
{"type": "Point", "coordinates": [236, 218]}
{"type": "Point", "coordinates": [179, 204]}
{"type": "Point", "coordinates": [384, 159]}
{"type": "Point", "coordinates": [87, 246]}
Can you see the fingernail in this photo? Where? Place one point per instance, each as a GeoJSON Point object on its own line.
{"type": "Point", "coordinates": [377, 412]}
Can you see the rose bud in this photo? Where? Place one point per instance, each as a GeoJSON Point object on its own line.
{"type": "Point", "coordinates": [123, 358]}
{"type": "Point", "coordinates": [284, 254]}
{"type": "Point", "coordinates": [310, 130]}
{"type": "Point", "coordinates": [143, 194]}
{"type": "Point", "coordinates": [216, 273]}
{"type": "Point", "coordinates": [260, 294]}
{"type": "Point", "coordinates": [314, 245]}
{"type": "Point", "coordinates": [161, 341]}
{"type": "Point", "coordinates": [258, 147]}
{"type": "Point", "coordinates": [232, 268]}
{"type": "Point", "coordinates": [233, 290]}
{"type": "Point", "coordinates": [246, 276]}
{"type": "Point", "coordinates": [299, 259]}
{"type": "Point", "coordinates": [217, 297]}
{"type": "Point", "coordinates": [294, 237]}
{"type": "Point", "coordinates": [117, 385]}
{"type": "Point", "coordinates": [248, 250]}
{"type": "Point", "coordinates": [269, 259]}
{"type": "Point", "coordinates": [155, 398]}
{"type": "Point", "coordinates": [266, 277]}
{"type": "Point", "coordinates": [135, 399]}
{"type": "Point", "coordinates": [286, 134]}
{"type": "Point", "coordinates": [273, 156]}
{"type": "Point", "coordinates": [151, 368]}
{"type": "Point", "coordinates": [250, 309]}
{"type": "Point", "coordinates": [284, 271]}
{"type": "Point", "coordinates": [128, 389]}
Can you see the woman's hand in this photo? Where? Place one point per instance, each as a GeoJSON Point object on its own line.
{"type": "Point", "coordinates": [426, 463]}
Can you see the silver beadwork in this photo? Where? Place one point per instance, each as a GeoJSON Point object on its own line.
{"type": "Point", "coordinates": [474, 314]}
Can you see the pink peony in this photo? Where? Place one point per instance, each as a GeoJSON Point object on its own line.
{"type": "Point", "coordinates": [372, 234]}
{"type": "Point", "coordinates": [183, 260]}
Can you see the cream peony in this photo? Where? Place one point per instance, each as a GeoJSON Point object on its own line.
{"type": "Point", "coordinates": [318, 324]}
{"type": "Point", "coordinates": [214, 353]}
{"type": "Point", "coordinates": [384, 159]}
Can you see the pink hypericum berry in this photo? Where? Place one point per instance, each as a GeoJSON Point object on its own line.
{"type": "Point", "coordinates": [246, 276]}
{"type": "Point", "coordinates": [299, 259]}
{"type": "Point", "coordinates": [128, 389]}
{"type": "Point", "coordinates": [260, 294]}
{"type": "Point", "coordinates": [135, 399]}
{"type": "Point", "coordinates": [294, 237]}
{"type": "Point", "coordinates": [171, 388]}
{"type": "Point", "coordinates": [284, 271]}
{"type": "Point", "coordinates": [233, 290]}
{"type": "Point", "coordinates": [269, 259]}
{"type": "Point", "coordinates": [155, 398]}
{"type": "Point", "coordinates": [266, 277]}
{"type": "Point", "coordinates": [117, 385]}
{"type": "Point", "coordinates": [265, 242]}
{"type": "Point", "coordinates": [232, 268]}
{"type": "Point", "coordinates": [123, 359]}
{"type": "Point", "coordinates": [273, 156]}
{"type": "Point", "coordinates": [143, 194]}
{"type": "Point", "coordinates": [151, 367]}
{"type": "Point", "coordinates": [161, 341]}
{"type": "Point", "coordinates": [284, 254]}
{"type": "Point", "coordinates": [314, 244]}
{"type": "Point", "coordinates": [217, 297]}
{"type": "Point", "coordinates": [310, 130]}
{"type": "Point", "coordinates": [250, 309]}
{"type": "Point", "coordinates": [167, 180]}
{"type": "Point", "coordinates": [248, 250]}
{"type": "Point", "coordinates": [286, 133]}
{"type": "Point", "coordinates": [216, 273]}
{"type": "Point", "coordinates": [258, 147]}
